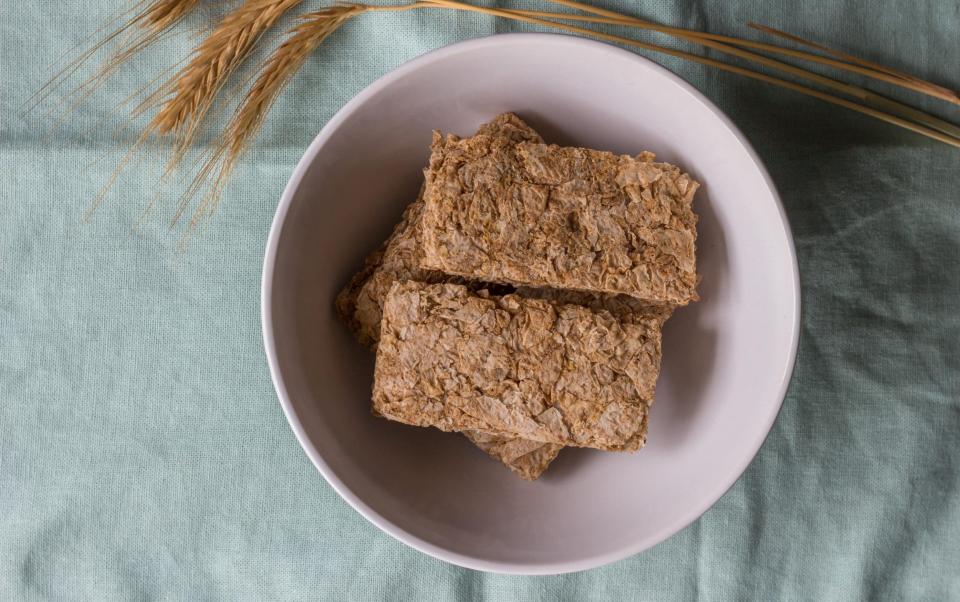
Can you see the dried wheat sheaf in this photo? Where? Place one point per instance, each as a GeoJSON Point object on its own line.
{"type": "Point", "coordinates": [182, 104]}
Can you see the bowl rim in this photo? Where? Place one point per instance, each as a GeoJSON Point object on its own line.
{"type": "Point", "coordinates": [269, 263]}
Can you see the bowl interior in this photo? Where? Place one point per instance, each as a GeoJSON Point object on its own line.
{"type": "Point", "coordinates": [726, 359]}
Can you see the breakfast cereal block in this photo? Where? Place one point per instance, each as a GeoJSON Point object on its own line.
{"type": "Point", "coordinates": [360, 305]}
{"type": "Point", "coordinates": [535, 369]}
{"type": "Point", "coordinates": [559, 217]}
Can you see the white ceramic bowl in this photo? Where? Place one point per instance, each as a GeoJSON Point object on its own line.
{"type": "Point", "coordinates": [726, 360]}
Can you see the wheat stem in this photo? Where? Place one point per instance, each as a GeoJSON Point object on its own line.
{"type": "Point", "coordinates": [137, 33]}
{"type": "Point", "coordinates": [860, 67]}
{"type": "Point", "coordinates": [186, 99]}
{"type": "Point", "coordinates": [315, 27]}
{"type": "Point", "coordinates": [273, 77]}
{"type": "Point", "coordinates": [71, 67]}
{"type": "Point", "coordinates": [286, 60]}
{"type": "Point", "coordinates": [877, 100]}
{"type": "Point", "coordinates": [918, 128]}
{"type": "Point", "coordinates": [849, 58]}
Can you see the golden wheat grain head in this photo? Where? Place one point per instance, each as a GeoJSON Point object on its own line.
{"type": "Point", "coordinates": [188, 96]}
{"type": "Point", "coordinates": [301, 41]}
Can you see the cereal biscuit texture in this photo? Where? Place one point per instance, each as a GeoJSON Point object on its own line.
{"type": "Point", "coordinates": [360, 304]}
{"type": "Point", "coordinates": [361, 301]}
{"type": "Point", "coordinates": [459, 360]}
{"type": "Point", "coordinates": [560, 217]}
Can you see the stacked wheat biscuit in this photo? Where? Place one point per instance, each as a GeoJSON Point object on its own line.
{"type": "Point", "coordinates": [521, 297]}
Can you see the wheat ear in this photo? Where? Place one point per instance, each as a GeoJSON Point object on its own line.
{"type": "Point", "coordinates": [187, 97]}
{"type": "Point", "coordinates": [135, 34]}
{"type": "Point", "coordinates": [302, 40]}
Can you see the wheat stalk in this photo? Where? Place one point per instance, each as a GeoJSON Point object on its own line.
{"type": "Point", "coordinates": [285, 61]}
{"type": "Point", "coordinates": [848, 63]}
{"type": "Point", "coordinates": [926, 86]}
{"type": "Point", "coordinates": [247, 120]}
{"type": "Point", "coordinates": [151, 24]}
{"type": "Point", "coordinates": [931, 132]}
{"type": "Point", "coordinates": [315, 27]}
{"type": "Point", "coordinates": [185, 100]}
{"type": "Point", "coordinates": [165, 13]}
{"type": "Point", "coordinates": [731, 47]}
{"type": "Point", "coordinates": [301, 41]}
{"type": "Point", "coordinates": [138, 32]}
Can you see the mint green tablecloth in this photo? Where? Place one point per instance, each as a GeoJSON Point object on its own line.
{"type": "Point", "coordinates": [143, 454]}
